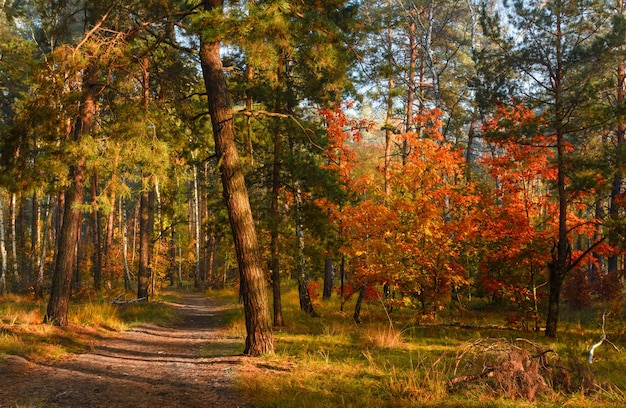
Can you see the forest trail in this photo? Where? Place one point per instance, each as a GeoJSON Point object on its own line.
{"type": "Point", "coordinates": [146, 366]}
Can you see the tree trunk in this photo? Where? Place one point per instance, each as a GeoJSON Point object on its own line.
{"type": "Point", "coordinates": [13, 236]}
{"type": "Point", "coordinates": [259, 339]}
{"type": "Point", "coordinates": [560, 260]}
{"type": "Point", "coordinates": [3, 253]}
{"type": "Point", "coordinates": [145, 239]}
{"type": "Point", "coordinates": [95, 220]}
{"type": "Point", "coordinates": [35, 239]}
{"type": "Point", "coordinates": [329, 276]}
{"type": "Point", "coordinates": [274, 214]}
{"type": "Point", "coordinates": [196, 219]}
{"type": "Point", "coordinates": [66, 257]}
{"type": "Point", "coordinates": [110, 235]}
{"type": "Point", "coordinates": [303, 276]}
{"type": "Point", "coordinates": [124, 230]}
{"type": "Point", "coordinates": [44, 242]}
{"type": "Point", "coordinates": [618, 177]}
{"type": "Point", "coordinates": [357, 306]}
{"type": "Point", "coordinates": [172, 271]}
{"type": "Point", "coordinates": [72, 214]}
{"type": "Point", "coordinates": [556, 284]}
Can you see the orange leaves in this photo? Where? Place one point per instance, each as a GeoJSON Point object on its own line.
{"type": "Point", "coordinates": [340, 130]}
{"type": "Point", "coordinates": [410, 238]}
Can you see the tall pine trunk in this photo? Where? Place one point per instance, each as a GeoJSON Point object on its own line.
{"type": "Point", "coordinates": [259, 339]}
{"type": "Point", "coordinates": [274, 214]}
{"type": "Point", "coordinates": [72, 214]}
{"type": "Point", "coordinates": [303, 276]}
{"type": "Point", "coordinates": [66, 257]}
{"type": "Point", "coordinates": [146, 226]}
{"type": "Point", "coordinates": [96, 264]}
{"type": "Point", "coordinates": [618, 178]}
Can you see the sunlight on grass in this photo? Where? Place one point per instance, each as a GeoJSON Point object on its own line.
{"type": "Point", "coordinates": [96, 314]}
{"type": "Point", "coordinates": [332, 362]}
{"type": "Point", "coordinates": [23, 333]}
{"type": "Point", "coordinates": [11, 344]}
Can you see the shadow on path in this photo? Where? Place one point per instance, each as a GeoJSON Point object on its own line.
{"type": "Point", "coordinates": [147, 366]}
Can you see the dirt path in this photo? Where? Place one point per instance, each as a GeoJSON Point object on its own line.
{"type": "Point", "coordinates": [147, 366]}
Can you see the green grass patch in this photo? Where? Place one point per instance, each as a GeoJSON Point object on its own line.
{"type": "Point", "coordinates": [332, 362]}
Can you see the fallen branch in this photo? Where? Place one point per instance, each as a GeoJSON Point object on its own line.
{"type": "Point", "coordinates": [598, 343]}
{"type": "Point", "coordinates": [488, 372]}
{"type": "Point", "coordinates": [116, 300]}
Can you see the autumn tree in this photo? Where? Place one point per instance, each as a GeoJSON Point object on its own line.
{"type": "Point", "coordinates": [561, 49]}
{"type": "Point", "coordinates": [410, 239]}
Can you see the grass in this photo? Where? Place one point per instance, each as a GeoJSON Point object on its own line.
{"type": "Point", "coordinates": [22, 332]}
{"type": "Point", "coordinates": [332, 362]}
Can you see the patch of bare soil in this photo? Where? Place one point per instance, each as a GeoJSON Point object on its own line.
{"type": "Point", "coordinates": [147, 366]}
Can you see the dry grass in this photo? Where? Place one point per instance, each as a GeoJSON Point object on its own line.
{"type": "Point", "coordinates": [23, 333]}
{"type": "Point", "coordinates": [332, 362]}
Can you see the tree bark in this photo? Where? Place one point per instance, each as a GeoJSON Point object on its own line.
{"type": "Point", "coordinates": [329, 277]}
{"type": "Point", "coordinates": [3, 253]}
{"type": "Point", "coordinates": [110, 235]}
{"type": "Point", "coordinates": [66, 257]}
{"type": "Point", "coordinates": [72, 214]}
{"type": "Point", "coordinates": [616, 188]}
{"type": "Point", "coordinates": [359, 302]}
{"type": "Point", "coordinates": [259, 339]}
{"type": "Point", "coordinates": [95, 220]}
{"type": "Point", "coordinates": [303, 276]}
{"type": "Point", "coordinates": [274, 214]}
{"type": "Point", "coordinates": [13, 236]}
{"type": "Point", "coordinates": [145, 239]}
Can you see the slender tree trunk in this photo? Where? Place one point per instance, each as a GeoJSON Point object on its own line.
{"type": "Point", "coordinates": [342, 275]}
{"type": "Point", "coordinates": [13, 237]}
{"type": "Point", "coordinates": [196, 218]}
{"type": "Point", "coordinates": [66, 257]}
{"type": "Point", "coordinates": [58, 222]}
{"type": "Point", "coordinates": [35, 238]}
{"type": "Point", "coordinates": [359, 302]}
{"type": "Point", "coordinates": [274, 214]}
{"type": "Point", "coordinates": [44, 243]}
{"type": "Point", "coordinates": [173, 251]}
{"type": "Point", "coordinates": [616, 188]}
{"type": "Point", "coordinates": [561, 258]}
{"type": "Point", "coordinates": [259, 339]}
{"type": "Point", "coordinates": [410, 96]}
{"type": "Point", "coordinates": [124, 229]}
{"type": "Point", "coordinates": [95, 224]}
{"type": "Point", "coordinates": [110, 235]}
{"type": "Point", "coordinates": [145, 237]}
{"type": "Point", "coordinates": [77, 282]}
{"type": "Point", "coordinates": [3, 252]}
{"type": "Point", "coordinates": [303, 276]}
{"type": "Point", "coordinates": [329, 276]}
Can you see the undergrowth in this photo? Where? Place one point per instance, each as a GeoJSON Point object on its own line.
{"type": "Point", "coordinates": [332, 362]}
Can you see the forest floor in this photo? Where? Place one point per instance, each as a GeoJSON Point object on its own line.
{"type": "Point", "coordinates": [189, 363]}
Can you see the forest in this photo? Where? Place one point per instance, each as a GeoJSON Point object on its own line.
{"type": "Point", "coordinates": [405, 161]}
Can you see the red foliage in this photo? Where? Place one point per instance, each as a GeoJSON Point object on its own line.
{"type": "Point", "coordinates": [578, 290]}
{"type": "Point", "coordinates": [371, 293]}
{"type": "Point", "coordinates": [314, 290]}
